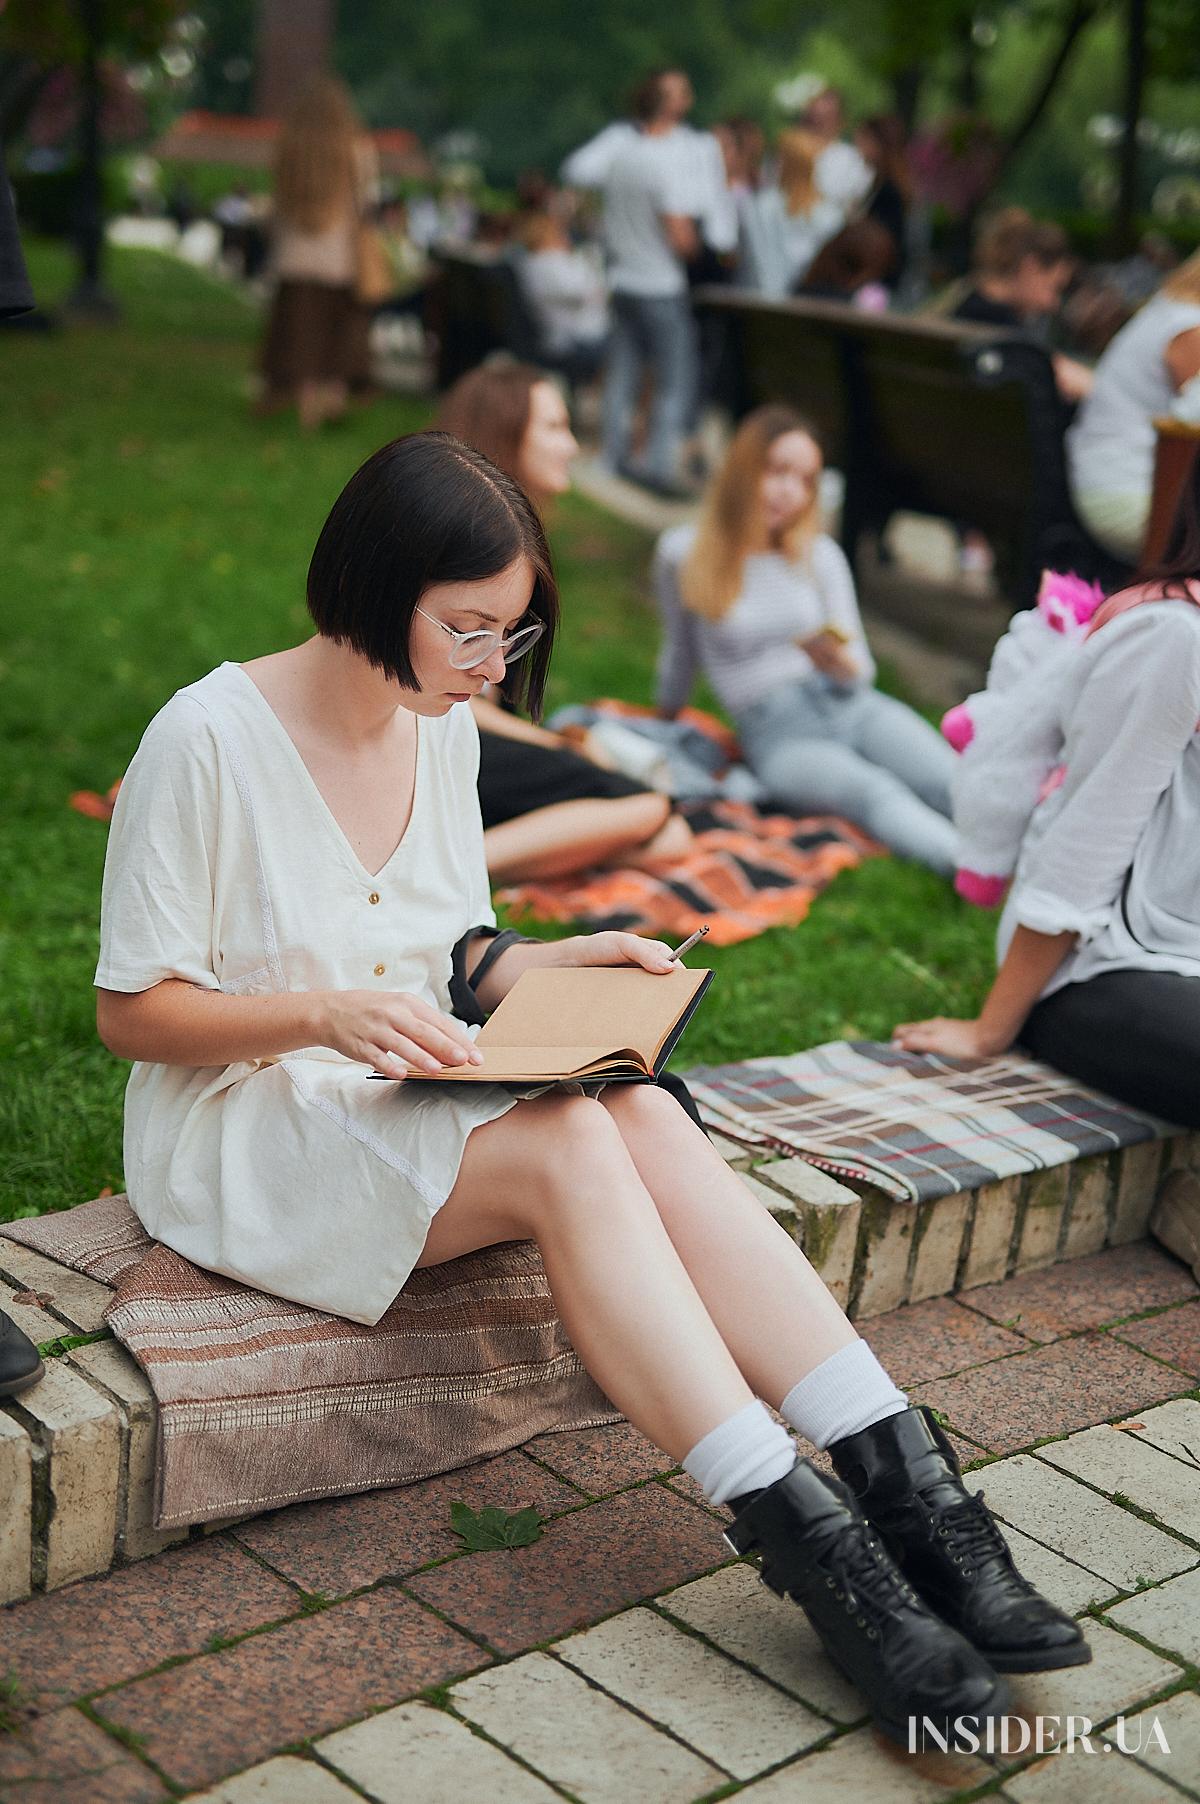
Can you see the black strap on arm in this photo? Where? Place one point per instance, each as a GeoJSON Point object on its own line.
{"type": "Point", "coordinates": [463, 984]}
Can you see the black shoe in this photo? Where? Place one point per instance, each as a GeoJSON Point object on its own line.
{"type": "Point", "coordinates": [20, 1365]}
{"type": "Point", "coordinates": [945, 1540]}
{"type": "Point", "coordinates": [817, 1548]}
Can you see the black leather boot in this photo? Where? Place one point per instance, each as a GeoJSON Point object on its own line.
{"type": "Point", "coordinates": [817, 1548]}
{"type": "Point", "coordinates": [945, 1540]}
{"type": "Point", "coordinates": [20, 1365]}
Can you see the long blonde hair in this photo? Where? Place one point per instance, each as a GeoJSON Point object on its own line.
{"type": "Point", "coordinates": [1183, 284]}
{"type": "Point", "coordinates": [798, 153]}
{"type": "Point", "coordinates": [731, 527]}
{"type": "Point", "coordinates": [316, 173]}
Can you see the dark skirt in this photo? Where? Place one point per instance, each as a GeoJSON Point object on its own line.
{"type": "Point", "coordinates": [515, 778]}
{"type": "Point", "coordinates": [316, 332]}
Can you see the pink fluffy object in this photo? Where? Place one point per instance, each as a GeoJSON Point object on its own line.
{"type": "Point", "coordinates": [1066, 602]}
{"type": "Point", "coordinates": [983, 891]}
{"type": "Point", "coordinates": [957, 727]}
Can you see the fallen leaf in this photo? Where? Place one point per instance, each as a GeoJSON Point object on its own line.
{"type": "Point", "coordinates": [489, 1527]}
{"type": "Point", "coordinates": [1127, 1427]}
{"type": "Point", "coordinates": [37, 1299]}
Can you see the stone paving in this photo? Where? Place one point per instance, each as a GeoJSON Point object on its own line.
{"type": "Point", "coordinates": [352, 1649]}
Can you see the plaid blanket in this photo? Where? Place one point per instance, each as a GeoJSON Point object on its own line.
{"type": "Point", "coordinates": [916, 1125]}
{"type": "Point", "coordinates": [748, 870]}
{"type": "Point", "coordinates": [263, 1403]}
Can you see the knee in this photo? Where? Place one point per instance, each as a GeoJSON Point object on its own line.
{"type": "Point", "coordinates": [572, 1142]}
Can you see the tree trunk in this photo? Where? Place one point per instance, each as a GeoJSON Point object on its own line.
{"type": "Point", "coordinates": [1128, 150]}
{"type": "Point", "coordinates": [89, 295]}
{"type": "Point", "coordinates": [1080, 16]}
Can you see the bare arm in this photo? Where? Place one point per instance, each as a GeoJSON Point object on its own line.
{"type": "Point", "coordinates": [581, 949]}
{"type": "Point", "coordinates": [491, 719]}
{"type": "Point", "coordinates": [1182, 357]}
{"type": "Point", "coordinates": [681, 235]}
{"type": "Point", "coordinates": [1029, 964]}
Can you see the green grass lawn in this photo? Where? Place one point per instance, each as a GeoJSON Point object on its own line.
{"type": "Point", "coordinates": [151, 529]}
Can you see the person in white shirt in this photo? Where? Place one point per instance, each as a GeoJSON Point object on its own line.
{"type": "Point", "coordinates": [787, 222]}
{"type": "Point", "coordinates": [665, 195]}
{"type": "Point", "coordinates": [843, 174]}
{"type": "Point", "coordinates": [567, 295]}
{"type": "Point", "coordinates": [762, 601]}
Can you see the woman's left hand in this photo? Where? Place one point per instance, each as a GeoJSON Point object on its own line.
{"type": "Point", "coordinates": [625, 949]}
{"type": "Point", "coordinates": [956, 1039]}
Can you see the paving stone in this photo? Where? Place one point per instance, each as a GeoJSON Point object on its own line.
{"type": "Point", "coordinates": [1137, 1186]}
{"type": "Point", "coordinates": [936, 1267]}
{"type": "Point", "coordinates": [79, 1432]}
{"type": "Point", "coordinates": [282, 1781]}
{"type": "Point", "coordinates": [685, 1485]}
{"type": "Point", "coordinates": [16, 1517]}
{"type": "Point", "coordinates": [1041, 1223]}
{"type": "Point", "coordinates": [67, 1643]}
{"type": "Point", "coordinates": [727, 1714]}
{"type": "Point", "coordinates": [864, 1769]}
{"type": "Point", "coordinates": [79, 1300]}
{"type": "Point", "coordinates": [579, 1737]}
{"type": "Point", "coordinates": [825, 1218]}
{"type": "Point", "coordinates": [1169, 1616]}
{"type": "Point", "coordinates": [1115, 1461]}
{"type": "Point", "coordinates": [233, 1708]}
{"type": "Point", "coordinates": [748, 1622]}
{"type": "Point", "coordinates": [1049, 1390]}
{"type": "Point", "coordinates": [344, 1543]}
{"type": "Point", "coordinates": [1071, 1586]}
{"type": "Point", "coordinates": [1065, 1778]}
{"type": "Point", "coordinates": [418, 1755]}
{"type": "Point", "coordinates": [600, 1460]}
{"type": "Point", "coordinates": [1073, 1521]}
{"type": "Point", "coordinates": [1086, 1293]}
{"type": "Point", "coordinates": [992, 1231]}
{"type": "Point", "coordinates": [935, 1338]}
{"type": "Point", "coordinates": [887, 1235]}
{"type": "Point", "coordinates": [1175, 1427]}
{"type": "Point", "coordinates": [1174, 1336]}
{"type": "Point", "coordinates": [585, 1566]}
{"type": "Point", "coordinates": [108, 1365]}
{"type": "Point", "coordinates": [1091, 1192]}
{"type": "Point", "coordinates": [805, 1182]}
{"type": "Point", "coordinates": [1179, 1720]}
{"type": "Point", "coordinates": [64, 1759]}
{"type": "Point", "coordinates": [1122, 1675]}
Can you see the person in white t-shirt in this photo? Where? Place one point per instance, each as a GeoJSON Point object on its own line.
{"type": "Point", "coordinates": [665, 195]}
{"type": "Point", "coordinates": [843, 174]}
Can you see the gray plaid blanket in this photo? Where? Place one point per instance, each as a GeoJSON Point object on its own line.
{"type": "Point", "coordinates": [916, 1125]}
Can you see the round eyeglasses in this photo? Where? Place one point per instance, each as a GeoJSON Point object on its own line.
{"type": "Point", "coordinates": [473, 649]}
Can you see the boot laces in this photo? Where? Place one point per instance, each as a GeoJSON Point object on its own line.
{"type": "Point", "coordinates": [973, 1536]}
{"type": "Point", "coordinates": [867, 1583]}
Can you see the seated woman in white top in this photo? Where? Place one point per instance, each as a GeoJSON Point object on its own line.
{"type": "Point", "coordinates": [1110, 445]}
{"type": "Point", "coordinates": [786, 223]}
{"type": "Point", "coordinates": [1099, 942]}
{"type": "Point", "coordinates": [295, 897]}
{"type": "Point", "coordinates": [762, 601]}
{"type": "Point", "coordinates": [567, 294]}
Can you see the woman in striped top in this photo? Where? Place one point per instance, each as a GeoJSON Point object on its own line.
{"type": "Point", "coordinates": [762, 601]}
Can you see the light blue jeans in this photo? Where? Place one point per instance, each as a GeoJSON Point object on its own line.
{"type": "Point", "coordinates": [823, 749]}
{"type": "Point", "coordinates": [658, 332]}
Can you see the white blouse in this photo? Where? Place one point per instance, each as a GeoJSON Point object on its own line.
{"type": "Point", "coordinates": [225, 868]}
{"type": "Point", "coordinates": [1113, 854]}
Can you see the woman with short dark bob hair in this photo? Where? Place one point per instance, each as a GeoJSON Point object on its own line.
{"type": "Point", "coordinates": [295, 897]}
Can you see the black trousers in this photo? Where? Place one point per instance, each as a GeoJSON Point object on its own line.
{"type": "Point", "coordinates": [1135, 1034]}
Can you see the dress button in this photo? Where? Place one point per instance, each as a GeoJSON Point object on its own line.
{"type": "Point", "coordinates": [379, 970]}
{"type": "Point", "coordinates": [374, 896]}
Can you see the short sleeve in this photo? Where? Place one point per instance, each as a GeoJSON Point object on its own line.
{"type": "Point", "coordinates": [158, 904]}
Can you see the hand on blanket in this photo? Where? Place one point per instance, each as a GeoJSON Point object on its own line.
{"type": "Point", "coordinates": [389, 1030]}
{"type": "Point", "coordinates": [955, 1039]}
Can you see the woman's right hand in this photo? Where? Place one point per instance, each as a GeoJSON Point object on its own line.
{"type": "Point", "coordinates": [389, 1030]}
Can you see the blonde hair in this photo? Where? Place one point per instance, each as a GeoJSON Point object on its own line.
{"type": "Point", "coordinates": [798, 153]}
{"type": "Point", "coordinates": [731, 528]}
{"type": "Point", "coordinates": [1183, 284]}
{"type": "Point", "coordinates": [316, 170]}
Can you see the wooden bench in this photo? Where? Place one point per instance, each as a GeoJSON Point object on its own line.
{"type": "Point", "coordinates": [931, 415]}
{"type": "Point", "coordinates": [478, 308]}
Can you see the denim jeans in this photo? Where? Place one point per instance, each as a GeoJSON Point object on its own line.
{"type": "Point", "coordinates": [656, 332]}
{"type": "Point", "coordinates": [824, 749]}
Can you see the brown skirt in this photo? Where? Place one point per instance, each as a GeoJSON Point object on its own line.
{"type": "Point", "coordinates": [315, 333]}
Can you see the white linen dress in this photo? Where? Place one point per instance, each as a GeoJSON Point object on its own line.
{"type": "Point", "coordinates": [225, 868]}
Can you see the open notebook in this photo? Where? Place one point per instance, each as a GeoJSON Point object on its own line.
{"type": "Point", "coordinates": [604, 1023]}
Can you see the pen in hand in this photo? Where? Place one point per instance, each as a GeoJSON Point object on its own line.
{"type": "Point", "coordinates": [689, 942]}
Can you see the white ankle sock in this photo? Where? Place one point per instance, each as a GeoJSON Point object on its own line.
{"type": "Point", "coordinates": [847, 1392]}
{"type": "Point", "coordinates": [746, 1452]}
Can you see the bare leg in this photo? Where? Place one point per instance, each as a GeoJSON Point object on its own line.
{"type": "Point", "coordinates": [572, 836]}
{"type": "Point", "coordinates": [555, 1169]}
{"type": "Point", "coordinates": [770, 1307]}
{"type": "Point", "coordinates": [671, 843]}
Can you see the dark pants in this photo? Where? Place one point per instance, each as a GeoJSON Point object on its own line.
{"type": "Point", "coordinates": [1135, 1034]}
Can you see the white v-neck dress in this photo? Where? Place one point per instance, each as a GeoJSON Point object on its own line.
{"type": "Point", "coordinates": [226, 868]}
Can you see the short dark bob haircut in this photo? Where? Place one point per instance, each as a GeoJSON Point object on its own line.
{"type": "Point", "coordinates": [424, 510]}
